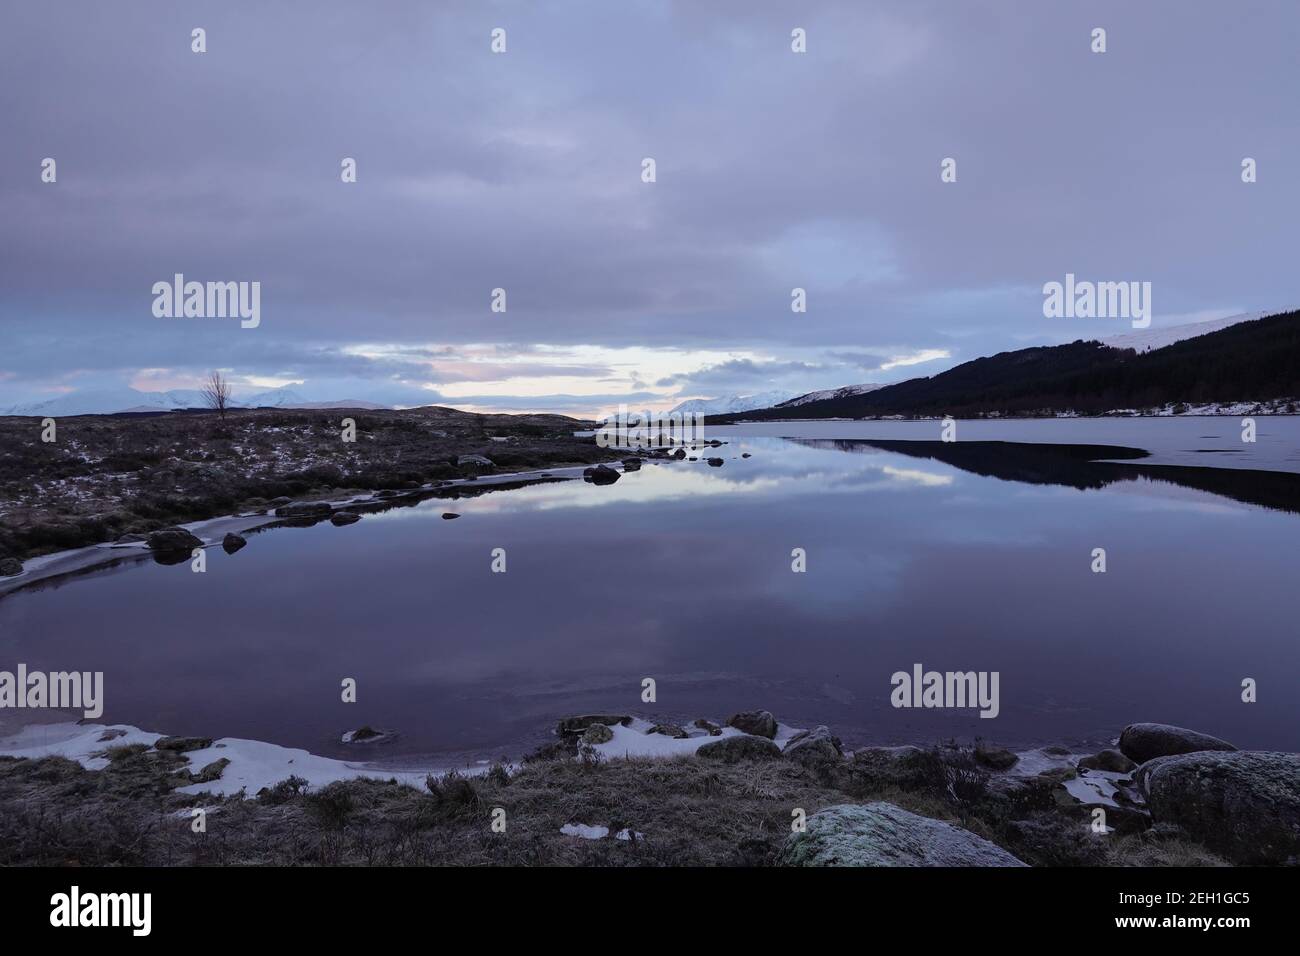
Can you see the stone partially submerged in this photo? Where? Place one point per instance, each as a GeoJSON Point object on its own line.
{"type": "Point", "coordinates": [881, 834]}
{"type": "Point", "coordinates": [1143, 742]}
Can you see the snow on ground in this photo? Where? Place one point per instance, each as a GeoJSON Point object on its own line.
{"type": "Point", "coordinates": [254, 764]}
{"type": "Point", "coordinates": [1148, 340]}
{"type": "Point", "coordinates": [84, 743]}
{"type": "Point", "coordinates": [596, 833]}
{"type": "Point", "coordinates": [633, 741]}
{"type": "Point", "coordinates": [848, 391]}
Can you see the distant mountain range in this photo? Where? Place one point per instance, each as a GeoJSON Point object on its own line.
{"type": "Point", "coordinates": [848, 391]}
{"type": "Point", "coordinates": [1247, 358]}
{"type": "Point", "coordinates": [118, 400]}
{"type": "Point", "coordinates": [729, 404]}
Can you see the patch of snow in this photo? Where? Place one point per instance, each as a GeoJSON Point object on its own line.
{"type": "Point", "coordinates": [848, 391]}
{"type": "Point", "coordinates": [585, 831]}
{"type": "Point", "coordinates": [633, 741]}
{"type": "Point", "coordinates": [254, 764]}
{"type": "Point", "coordinates": [1148, 340]}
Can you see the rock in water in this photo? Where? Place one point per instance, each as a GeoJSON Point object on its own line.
{"type": "Point", "coordinates": [9, 567]}
{"type": "Point", "coordinates": [232, 543]}
{"type": "Point", "coordinates": [739, 747]}
{"type": "Point", "coordinates": [631, 464]}
{"type": "Point", "coordinates": [600, 475]}
{"type": "Point", "coordinates": [812, 747]}
{"type": "Point", "coordinates": [881, 834]}
{"type": "Point", "coordinates": [1110, 760]}
{"type": "Point", "coordinates": [340, 518]}
{"type": "Point", "coordinates": [715, 462]}
{"type": "Point", "coordinates": [311, 509]}
{"type": "Point", "coordinates": [1143, 742]}
{"type": "Point", "coordinates": [1244, 805]}
{"type": "Point", "coordinates": [758, 722]}
{"type": "Point", "coordinates": [173, 539]}
{"type": "Point", "coordinates": [449, 515]}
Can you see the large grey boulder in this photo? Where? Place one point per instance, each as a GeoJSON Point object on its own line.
{"type": "Point", "coordinates": [814, 747]}
{"type": "Point", "coordinates": [1143, 742]}
{"type": "Point", "coordinates": [1244, 805]}
{"type": "Point", "coordinates": [739, 747]}
{"type": "Point", "coordinates": [881, 834]}
{"type": "Point", "coordinates": [173, 539]}
{"type": "Point", "coordinates": [758, 722]}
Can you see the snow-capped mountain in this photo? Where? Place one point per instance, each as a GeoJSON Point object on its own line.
{"type": "Point", "coordinates": [728, 404]}
{"type": "Point", "coordinates": [845, 392]}
{"type": "Point", "coordinates": [1148, 340]}
{"type": "Point", "coordinates": [108, 401]}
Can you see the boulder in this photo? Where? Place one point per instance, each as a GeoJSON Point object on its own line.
{"type": "Point", "coordinates": [9, 567]}
{"type": "Point", "coordinates": [211, 772]}
{"type": "Point", "coordinates": [340, 518]}
{"type": "Point", "coordinates": [1143, 742]}
{"type": "Point", "coordinates": [572, 726]}
{"type": "Point", "coordinates": [1110, 761]}
{"type": "Point", "coordinates": [449, 515]}
{"type": "Point", "coordinates": [308, 509]}
{"type": "Point", "coordinates": [280, 501]}
{"type": "Point", "coordinates": [173, 539]}
{"type": "Point", "coordinates": [745, 455]}
{"type": "Point", "coordinates": [631, 464]}
{"type": "Point", "coordinates": [597, 734]}
{"type": "Point", "coordinates": [995, 758]}
{"type": "Point", "coordinates": [600, 475]}
{"type": "Point", "coordinates": [739, 747]}
{"type": "Point", "coordinates": [182, 745]}
{"type": "Point", "coordinates": [758, 722]}
{"type": "Point", "coordinates": [713, 729]}
{"type": "Point", "coordinates": [478, 461]}
{"type": "Point", "coordinates": [1244, 805]}
{"type": "Point", "coordinates": [679, 454]}
{"type": "Point", "coordinates": [668, 730]}
{"type": "Point", "coordinates": [814, 747]}
{"type": "Point", "coordinates": [232, 543]}
{"type": "Point", "coordinates": [881, 834]}
{"type": "Point", "coordinates": [715, 462]}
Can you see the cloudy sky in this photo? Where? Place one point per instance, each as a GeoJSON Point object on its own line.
{"type": "Point", "coordinates": [522, 171]}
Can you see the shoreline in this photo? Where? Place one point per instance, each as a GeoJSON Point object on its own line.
{"type": "Point", "coordinates": [614, 790]}
{"type": "Point", "coordinates": [73, 561]}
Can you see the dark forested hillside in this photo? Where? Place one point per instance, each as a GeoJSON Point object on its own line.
{"type": "Point", "coordinates": [1251, 361]}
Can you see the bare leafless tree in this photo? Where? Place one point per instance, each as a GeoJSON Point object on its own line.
{"type": "Point", "coordinates": [216, 393]}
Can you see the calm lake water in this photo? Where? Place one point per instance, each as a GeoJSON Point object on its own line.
{"type": "Point", "coordinates": [682, 572]}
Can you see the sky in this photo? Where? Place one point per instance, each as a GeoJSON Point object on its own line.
{"type": "Point", "coordinates": [523, 171]}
